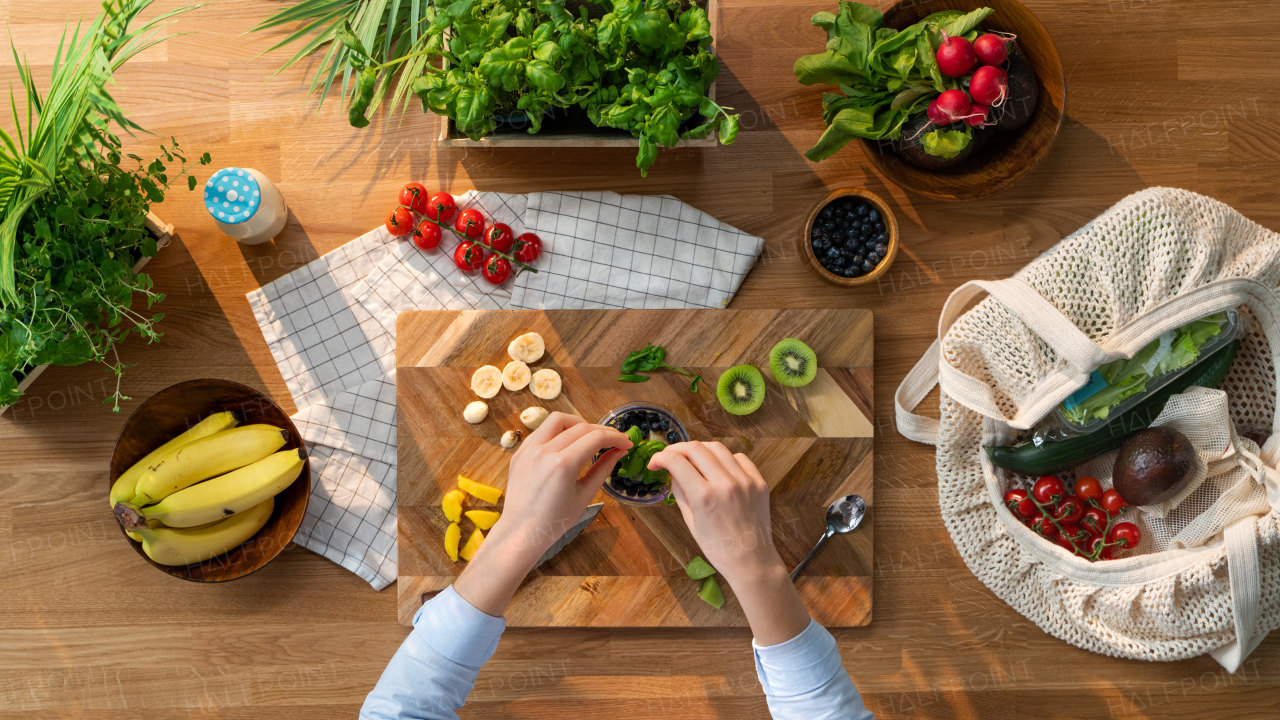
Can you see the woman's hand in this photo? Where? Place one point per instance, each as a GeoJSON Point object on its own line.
{"type": "Point", "coordinates": [545, 495]}
{"type": "Point", "coordinates": [725, 503]}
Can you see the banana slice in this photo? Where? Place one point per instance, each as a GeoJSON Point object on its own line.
{"type": "Point", "coordinates": [546, 384]}
{"type": "Point", "coordinates": [487, 381]}
{"type": "Point", "coordinates": [532, 417]}
{"type": "Point", "coordinates": [515, 376]}
{"type": "Point", "coordinates": [528, 348]}
{"type": "Point", "coordinates": [475, 412]}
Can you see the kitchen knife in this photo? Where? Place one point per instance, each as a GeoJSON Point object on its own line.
{"type": "Point", "coordinates": [574, 530]}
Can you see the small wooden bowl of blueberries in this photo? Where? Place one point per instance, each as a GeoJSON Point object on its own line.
{"type": "Point", "coordinates": [851, 237]}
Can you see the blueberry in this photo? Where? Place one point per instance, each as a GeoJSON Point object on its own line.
{"type": "Point", "coordinates": [862, 209]}
{"type": "Point", "coordinates": [873, 214]}
{"type": "Point", "coordinates": [880, 226]}
{"type": "Point", "coordinates": [867, 266]}
{"type": "Point", "coordinates": [828, 226]}
{"type": "Point", "coordinates": [673, 437]}
{"type": "Point", "coordinates": [832, 254]}
{"type": "Point", "coordinates": [631, 491]}
{"type": "Point", "coordinates": [642, 492]}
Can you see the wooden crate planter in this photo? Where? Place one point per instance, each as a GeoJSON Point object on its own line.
{"type": "Point", "coordinates": [163, 233]}
{"type": "Point", "coordinates": [590, 138]}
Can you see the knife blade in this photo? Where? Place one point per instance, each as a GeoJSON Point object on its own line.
{"type": "Point", "coordinates": [574, 530]}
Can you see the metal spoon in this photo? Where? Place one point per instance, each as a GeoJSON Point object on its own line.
{"type": "Point", "coordinates": [843, 515]}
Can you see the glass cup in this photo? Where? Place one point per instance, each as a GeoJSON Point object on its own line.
{"type": "Point", "coordinates": [619, 418]}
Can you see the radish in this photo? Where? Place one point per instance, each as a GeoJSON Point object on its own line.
{"type": "Point", "coordinates": [991, 49]}
{"type": "Point", "coordinates": [978, 115]}
{"type": "Point", "coordinates": [953, 105]}
{"type": "Point", "coordinates": [935, 115]}
{"type": "Point", "coordinates": [955, 56]}
{"type": "Point", "coordinates": [989, 85]}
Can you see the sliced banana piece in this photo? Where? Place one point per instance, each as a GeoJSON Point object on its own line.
{"type": "Point", "coordinates": [510, 438]}
{"type": "Point", "coordinates": [486, 381]}
{"type": "Point", "coordinates": [515, 376]}
{"type": "Point", "coordinates": [528, 348]}
{"type": "Point", "coordinates": [532, 417]}
{"type": "Point", "coordinates": [475, 412]}
{"type": "Point", "coordinates": [545, 384]}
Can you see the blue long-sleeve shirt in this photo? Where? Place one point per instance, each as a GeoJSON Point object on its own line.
{"type": "Point", "coordinates": [432, 673]}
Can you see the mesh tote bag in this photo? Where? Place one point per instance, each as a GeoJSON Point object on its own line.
{"type": "Point", "coordinates": [1206, 576]}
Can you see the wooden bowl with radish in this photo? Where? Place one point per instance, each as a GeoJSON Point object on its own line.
{"type": "Point", "coordinates": [1004, 157]}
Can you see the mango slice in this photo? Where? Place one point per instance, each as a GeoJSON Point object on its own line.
{"type": "Point", "coordinates": [480, 490]}
{"type": "Point", "coordinates": [452, 505]}
{"type": "Point", "coordinates": [451, 537]}
{"type": "Point", "coordinates": [473, 544]}
{"type": "Point", "coordinates": [484, 519]}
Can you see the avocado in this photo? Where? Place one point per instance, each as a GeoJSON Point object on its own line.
{"type": "Point", "coordinates": [1153, 466]}
{"type": "Point", "coordinates": [1017, 109]}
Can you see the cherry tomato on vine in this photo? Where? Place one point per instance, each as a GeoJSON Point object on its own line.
{"type": "Point", "coordinates": [1080, 535]}
{"type": "Point", "coordinates": [1017, 501]}
{"type": "Point", "coordinates": [400, 222]}
{"type": "Point", "coordinates": [496, 269]}
{"type": "Point", "coordinates": [1048, 489]}
{"type": "Point", "coordinates": [1043, 527]}
{"type": "Point", "coordinates": [414, 195]}
{"type": "Point", "coordinates": [1069, 510]}
{"type": "Point", "coordinates": [1127, 534]}
{"type": "Point", "coordinates": [470, 223]}
{"type": "Point", "coordinates": [1095, 519]}
{"type": "Point", "coordinates": [1064, 542]}
{"type": "Point", "coordinates": [1097, 542]}
{"type": "Point", "coordinates": [427, 235]}
{"type": "Point", "coordinates": [499, 237]}
{"type": "Point", "coordinates": [1113, 503]}
{"type": "Point", "coordinates": [1088, 488]}
{"type": "Point", "coordinates": [440, 206]}
{"type": "Point", "coordinates": [528, 247]}
{"type": "Point", "coordinates": [468, 256]}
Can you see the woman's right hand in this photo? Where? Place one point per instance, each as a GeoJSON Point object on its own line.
{"type": "Point", "coordinates": [725, 503]}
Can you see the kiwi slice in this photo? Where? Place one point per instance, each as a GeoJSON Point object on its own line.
{"type": "Point", "coordinates": [711, 593]}
{"type": "Point", "coordinates": [793, 363]}
{"type": "Point", "coordinates": [741, 389]}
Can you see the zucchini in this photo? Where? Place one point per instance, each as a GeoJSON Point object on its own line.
{"type": "Point", "coordinates": [1055, 456]}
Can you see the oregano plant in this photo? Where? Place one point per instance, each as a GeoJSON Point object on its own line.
{"type": "Point", "coordinates": [75, 209]}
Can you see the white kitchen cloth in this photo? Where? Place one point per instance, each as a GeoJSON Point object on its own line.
{"type": "Point", "coordinates": [330, 326]}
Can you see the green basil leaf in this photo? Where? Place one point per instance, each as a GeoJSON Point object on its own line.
{"type": "Point", "coordinates": [633, 378]}
{"type": "Point", "coordinates": [541, 75]}
{"type": "Point", "coordinates": [728, 129]}
{"type": "Point", "coordinates": [700, 131]}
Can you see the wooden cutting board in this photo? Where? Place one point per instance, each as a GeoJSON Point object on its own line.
{"type": "Point", "coordinates": [812, 444]}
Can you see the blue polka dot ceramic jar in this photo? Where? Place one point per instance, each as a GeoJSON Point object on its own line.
{"type": "Point", "coordinates": [245, 204]}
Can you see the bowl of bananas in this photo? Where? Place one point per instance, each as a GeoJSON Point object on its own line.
{"type": "Point", "coordinates": [209, 480]}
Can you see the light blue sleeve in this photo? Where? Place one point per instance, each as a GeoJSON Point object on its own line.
{"type": "Point", "coordinates": [803, 679]}
{"type": "Point", "coordinates": [432, 673]}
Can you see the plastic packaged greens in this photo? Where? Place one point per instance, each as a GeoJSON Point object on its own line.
{"type": "Point", "coordinates": [1118, 385]}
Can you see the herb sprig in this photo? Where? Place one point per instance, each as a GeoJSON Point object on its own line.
{"type": "Point", "coordinates": [650, 359]}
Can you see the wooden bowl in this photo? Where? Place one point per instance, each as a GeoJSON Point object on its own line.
{"type": "Point", "coordinates": [1007, 156]}
{"type": "Point", "coordinates": [171, 412]}
{"type": "Point", "coordinates": [890, 224]}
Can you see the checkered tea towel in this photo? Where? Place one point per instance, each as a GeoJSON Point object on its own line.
{"type": "Point", "coordinates": [330, 326]}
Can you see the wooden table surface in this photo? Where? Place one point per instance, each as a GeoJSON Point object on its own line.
{"type": "Point", "coordinates": [1160, 92]}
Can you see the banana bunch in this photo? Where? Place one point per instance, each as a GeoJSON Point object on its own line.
{"type": "Point", "coordinates": [206, 491]}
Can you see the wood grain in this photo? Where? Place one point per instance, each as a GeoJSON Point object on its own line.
{"type": "Point", "coordinates": [1155, 100]}
{"type": "Point", "coordinates": [812, 445]}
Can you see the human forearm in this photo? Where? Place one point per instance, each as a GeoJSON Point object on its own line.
{"type": "Point", "coordinates": [770, 601]}
{"type": "Point", "coordinates": [492, 577]}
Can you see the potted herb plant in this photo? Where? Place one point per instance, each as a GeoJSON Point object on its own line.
{"type": "Point", "coordinates": [637, 70]}
{"type": "Point", "coordinates": [75, 209]}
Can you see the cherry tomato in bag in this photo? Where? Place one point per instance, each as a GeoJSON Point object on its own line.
{"type": "Point", "coordinates": [1017, 501]}
{"type": "Point", "coordinates": [1127, 534]}
{"type": "Point", "coordinates": [1048, 490]}
{"type": "Point", "coordinates": [1113, 503]}
{"type": "Point", "coordinates": [1069, 510]}
{"type": "Point", "coordinates": [1088, 488]}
